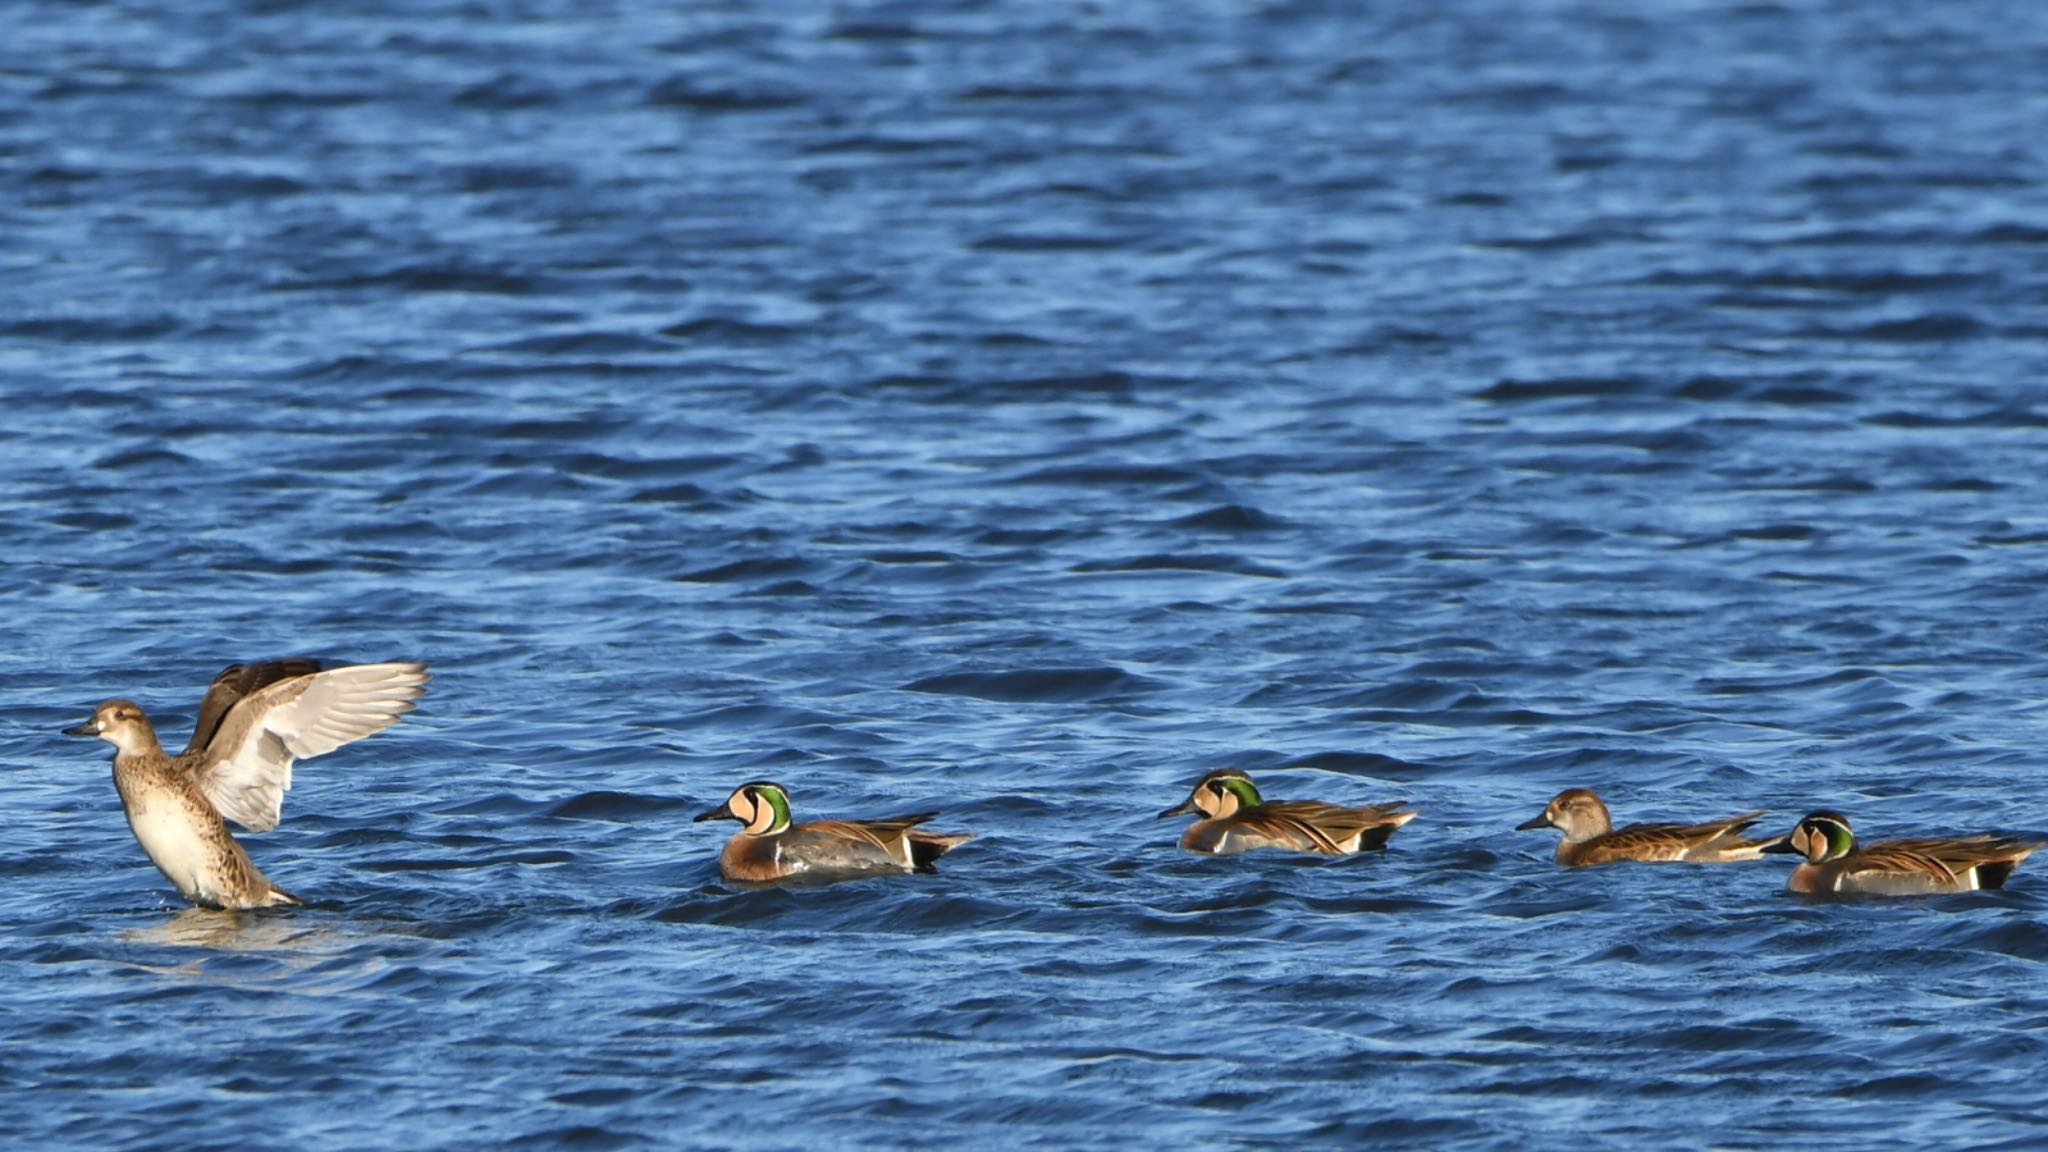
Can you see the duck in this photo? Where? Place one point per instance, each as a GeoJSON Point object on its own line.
{"type": "Point", "coordinates": [1235, 818]}
{"type": "Point", "coordinates": [1591, 838]}
{"type": "Point", "coordinates": [255, 721]}
{"type": "Point", "coordinates": [1835, 865]}
{"type": "Point", "coordinates": [769, 848]}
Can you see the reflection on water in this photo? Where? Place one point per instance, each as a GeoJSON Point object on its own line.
{"type": "Point", "coordinates": [271, 949]}
{"type": "Point", "coordinates": [269, 931]}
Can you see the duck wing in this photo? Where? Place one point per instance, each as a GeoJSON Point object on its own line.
{"type": "Point", "coordinates": [1654, 842]}
{"type": "Point", "coordinates": [1669, 841]}
{"type": "Point", "coordinates": [1316, 826]}
{"type": "Point", "coordinates": [1900, 867]}
{"type": "Point", "coordinates": [235, 682]}
{"type": "Point", "coordinates": [247, 766]}
{"type": "Point", "coordinates": [862, 845]}
{"type": "Point", "coordinates": [1991, 857]}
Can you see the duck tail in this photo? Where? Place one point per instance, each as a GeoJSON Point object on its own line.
{"type": "Point", "coordinates": [1732, 842]}
{"type": "Point", "coordinates": [927, 847]}
{"type": "Point", "coordinates": [1993, 873]}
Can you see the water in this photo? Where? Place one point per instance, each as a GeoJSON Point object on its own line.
{"type": "Point", "coordinates": [1019, 411]}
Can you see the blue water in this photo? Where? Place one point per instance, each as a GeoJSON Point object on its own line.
{"type": "Point", "coordinates": [1019, 410]}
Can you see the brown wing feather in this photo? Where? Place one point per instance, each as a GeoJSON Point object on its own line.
{"type": "Point", "coordinates": [1902, 858]}
{"type": "Point", "coordinates": [235, 682]}
{"type": "Point", "coordinates": [1370, 815]}
{"type": "Point", "coordinates": [1316, 826]}
{"type": "Point", "coordinates": [1275, 822]}
{"type": "Point", "coordinates": [1640, 842]}
{"type": "Point", "coordinates": [1946, 846]}
{"type": "Point", "coordinates": [880, 833]}
{"type": "Point", "coordinates": [1666, 841]}
{"type": "Point", "coordinates": [824, 847]}
{"type": "Point", "coordinates": [1956, 854]}
{"type": "Point", "coordinates": [1356, 815]}
{"type": "Point", "coordinates": [247, 766]}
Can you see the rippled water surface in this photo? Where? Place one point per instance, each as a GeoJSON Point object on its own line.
{"type": "Point", "coordinates": [1019, 410]}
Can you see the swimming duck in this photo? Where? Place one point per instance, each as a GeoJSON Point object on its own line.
{"type": "Point", "coordinates": [1236, 819]}
{"type": "Point", "coordinates": [255, 720]}
{"type": "Point", "coordinates": [1836, 865]}
{"type": "Point", "coordinates": [770, 848]}
{"type": "Point", "coordinates": [1591, 838]}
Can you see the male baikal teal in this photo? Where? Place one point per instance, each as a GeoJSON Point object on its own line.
{"type": "Point", "coordinates": [770, 848]}
{"type": "Point", "coordinates": [1235, 818]}
{"type": "Point", "coordinates": [1836, 865]}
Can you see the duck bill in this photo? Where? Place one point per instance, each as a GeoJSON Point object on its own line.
{"type": "Point", "coordinates": [722, 812]}
{"type": "Point", "coordinates": [1538, 822]}
{"type": "Point", "coordinates": [1782, 846]}
{"type": "Point", "coordinates": [1180, 809]}
{"type": "Point", "coordinates": [89, 728]}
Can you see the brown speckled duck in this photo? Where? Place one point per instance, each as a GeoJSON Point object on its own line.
{"type": "Point", "coordinates": [1591, 838]}
{"type": "Point", "coordinates": [255, 721]}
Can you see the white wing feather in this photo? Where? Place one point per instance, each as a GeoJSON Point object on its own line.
{"type": "Point", "coordinates": [248, 766]}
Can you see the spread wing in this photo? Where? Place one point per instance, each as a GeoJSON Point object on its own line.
{"type": "Point", "coordinates": [235, 682]}
{"type": "Point", "coordinates": [248, 764]}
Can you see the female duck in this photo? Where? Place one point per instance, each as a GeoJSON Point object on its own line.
{"type": "Point", "coordinates": [770, 848]}
{"type": "Point", "coordinates": [1836, 865]}
{"type": "Point", "coordinates": [1236, 819]}
{"type": "Point", "coordinates": [1591, 838]}
{"type": "Point", "coordinates": [255, 722]}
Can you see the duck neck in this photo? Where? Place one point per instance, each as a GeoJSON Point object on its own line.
{"type": "Point", "coordinates": [137, 743]}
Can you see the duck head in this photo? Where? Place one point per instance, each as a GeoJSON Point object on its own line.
{"type": "Point", "coordinates": [1821, 837]}
{"type": "Point", "coordinates": [761, 805]}
{"type": "Point", "coordinates": [1218, 795]}
{"type": "Point", "coordinates": [120, 723]}
{"type": "Point", "coordinates": [1576, 812]}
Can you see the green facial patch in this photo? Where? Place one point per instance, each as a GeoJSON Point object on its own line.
{"type": "Point", "coordinates": [1242, 788]}
{"type": "Point", "coordinates": [777, 800]}
{"type": "Point", "coordinates": [1834, 833]}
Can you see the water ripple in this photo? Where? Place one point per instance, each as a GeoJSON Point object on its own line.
{"type": "Point", "coordinates": [1019, 412]}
